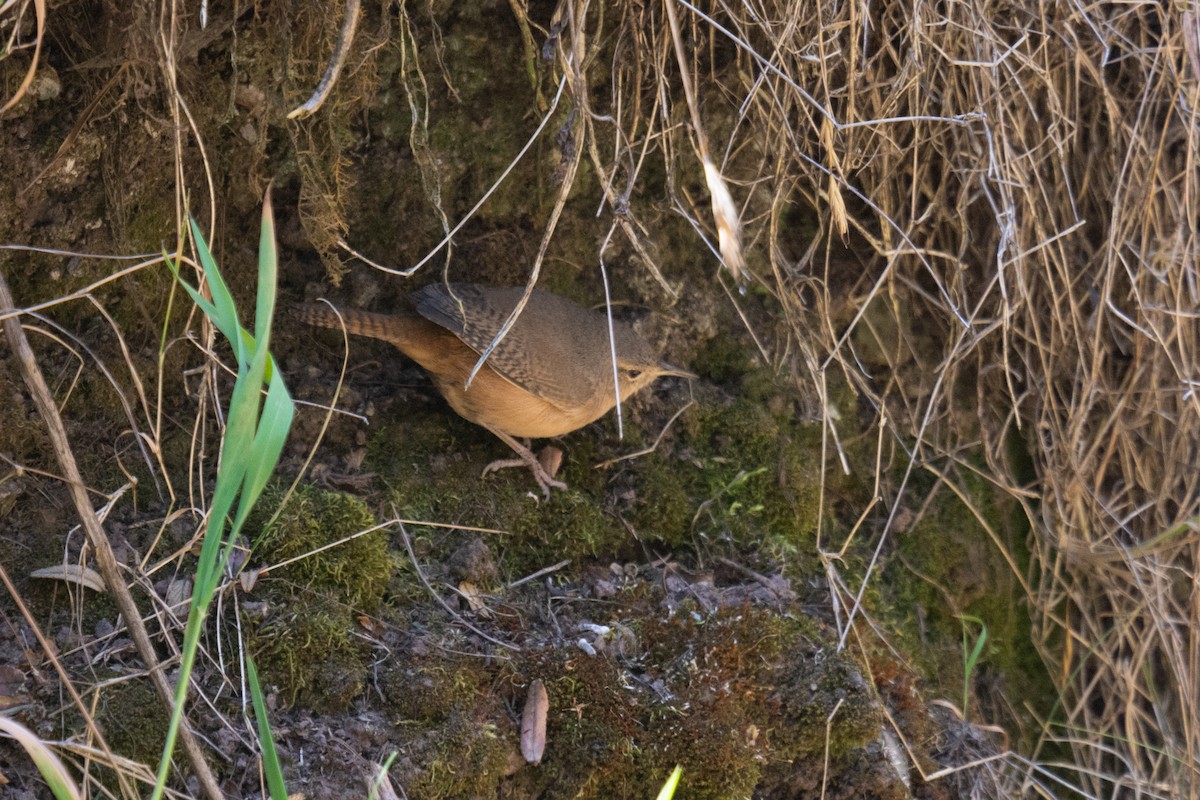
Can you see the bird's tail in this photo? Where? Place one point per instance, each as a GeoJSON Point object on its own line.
{"type": "Point", "coordinates": [388, 327]}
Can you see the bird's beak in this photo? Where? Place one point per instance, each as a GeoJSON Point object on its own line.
{"type": "Point", "coordinates": [666, 369]}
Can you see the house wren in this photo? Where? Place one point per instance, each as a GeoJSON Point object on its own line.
{"type": "Point", "coordinates": [550, 375]}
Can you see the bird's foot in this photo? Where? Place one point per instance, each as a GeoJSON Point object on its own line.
{"type": "Point", "coordinates": [543, 466]}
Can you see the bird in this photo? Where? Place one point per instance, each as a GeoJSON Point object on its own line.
{"type": "Point", "coordinates": [551, 374]}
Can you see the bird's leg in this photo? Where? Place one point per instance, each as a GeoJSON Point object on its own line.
{"type": "Point", "coordinates": [527, 459]}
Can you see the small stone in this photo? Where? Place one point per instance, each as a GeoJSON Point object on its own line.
{"type": "Point", "coordinates": [473, 562]}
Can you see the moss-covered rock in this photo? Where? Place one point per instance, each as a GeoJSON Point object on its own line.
{"type": "Point", "coordinates": [730, 698]}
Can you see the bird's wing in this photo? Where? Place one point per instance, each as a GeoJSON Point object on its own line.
{"type": "Point", "coordinates": [557, 349]}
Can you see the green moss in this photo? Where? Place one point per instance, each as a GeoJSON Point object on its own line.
{"type": "Point", "coordinates": [432, 688]}
{"type": "Point", "coordinates": [718, 746]}
{"type": "Point", "coordinates": [432, 466]}
{"type": "Point", "coordinates": [305, 645]}
{"type": "Point", "coordinates": [728, 697]}
{"type": "Point", "coordinates": [735, 472]}
{"type": "Point", "coordinates": [310, 654]}
{"type": "Point", "coordinates": [785, 674]}
{"type": "Point", "coordinates": [663, 504]}
{"type": "Point", "coordinates": [573, 527]}
{"type": "Point", "coordinates": [948, 565]}
{"type": "Point", "coordinates": [820, 685]}
{"type": "Point", "coordinates": [134, 720]}
{"type": "Point", "coordinates": [355, 571]}
{"type": "Point", "coordinates": [729, 361]}
{"type": "Point", "coordinates": [464, 757]}
{"type": "Point", "coordinates": [759, 475]}
{"type": "Point", "coordinates": [723, 360]}
{"type": "Point", "coordinates": [591, 726]}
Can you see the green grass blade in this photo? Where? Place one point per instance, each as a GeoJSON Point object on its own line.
{"type": "Point", "coordinates": [224, 314]}
{"type": "Point", "coordinates": [54, 773]}
{"type": "Point", "coordinates": [268, 268]}
{"type": "Point", "coordinates": [274, 424]}
{"type": "Point", "coordinates": [270, 756]}
{"type": "Point", "coordinates": [668, 789]}
{"type": "Point", "coordinates": [382, 776]}
{"type": "Point", "coordinates": [255, 432]}
{"type": "Point", "coordinates": [971, 657]}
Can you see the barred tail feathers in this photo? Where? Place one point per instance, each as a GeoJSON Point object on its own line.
{"type": "Point", "coordinates": [388, 327]}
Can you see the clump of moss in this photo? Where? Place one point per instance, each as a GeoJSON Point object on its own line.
{"type": "Point", "coordinates": [751, 477]}
{"type": "Point", "coordinates": [663, 502]}
{"type": "Point", "coordinates": [430, 689]}
{"type": "Point", "coordinates": [572, 526]}
{"type": "Point", "coordinates": [312, 657]}
{"type": "Point", "coordinates": [134, 720]}
{"type": "Point", "coordinates": [355, 571]}
{"type": "Point", "coordinates": [723, 360]}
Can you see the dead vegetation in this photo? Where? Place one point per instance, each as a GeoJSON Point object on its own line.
{"type": "Point", "coordinates": [981, 216]}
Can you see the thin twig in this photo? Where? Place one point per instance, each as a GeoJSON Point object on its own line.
{"type": "Point", "coordinates": [425, 581]}
{"type": "Point", "coordinates": [539, 573]}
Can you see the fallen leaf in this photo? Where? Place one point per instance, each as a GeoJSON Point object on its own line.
{"type": "Point", "coordinates": [470, 592]}
{"type": "Point", "coordinates": [72, 573]}
{"type": "Point", "coordinates": [179, 592]}
{"type": "Point", "coordinates": [533, 722]}
{"type": "Point", "coordinates": [248, 577]}
{"type": "Point", "coordinates": [551, 458]}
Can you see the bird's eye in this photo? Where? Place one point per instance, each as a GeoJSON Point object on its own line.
{"type": "Point", "coordinates": [633, 374]}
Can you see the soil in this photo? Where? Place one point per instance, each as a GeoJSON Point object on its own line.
{"type": "Point", "coordinates": [676, 606]}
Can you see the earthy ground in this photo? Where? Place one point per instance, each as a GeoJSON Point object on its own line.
{"type": "Point", "coordinates": [685, 606]}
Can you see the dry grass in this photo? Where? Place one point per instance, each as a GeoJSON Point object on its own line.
{"type": "Point", "coordinates": [1025, 177]}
